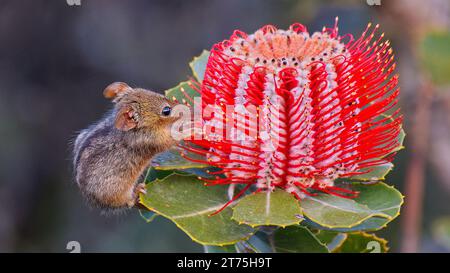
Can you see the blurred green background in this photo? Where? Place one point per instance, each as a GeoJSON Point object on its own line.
{"type": "Point", "coordinates": [56, 59]}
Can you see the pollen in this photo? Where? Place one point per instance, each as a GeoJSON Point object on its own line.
{"type": "Point", "coordinates": [277, 49]}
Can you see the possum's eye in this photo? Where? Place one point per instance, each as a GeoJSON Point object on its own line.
{"type": "Point", "coordinates": [166, 111]}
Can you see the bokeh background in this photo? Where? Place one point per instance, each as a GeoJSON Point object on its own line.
{"type": "Point", "coordinates": [56, 59]}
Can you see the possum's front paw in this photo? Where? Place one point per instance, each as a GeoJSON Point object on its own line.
{"type": "Point", "coordinates": [139, 188]}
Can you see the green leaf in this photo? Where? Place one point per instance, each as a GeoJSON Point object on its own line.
{"type": "Point", "coordinates": [170, 162]}
{"type": "Point", "coordinates": [277, 208]}
{"type": "Point", "coordinates": [199, 172]}
{"type": "Point", "coordinates": [361, 242]}
{"type": "Point", "coordinates": [376, 173]}
{"type": "Point", "coordinates": [259, 243]}
{"type": "Point", "coordinates": [220, 249]}
{"type": "Point", "coordinates": [379, 201]}
{"type": "Point", "coordinates": [198, 65]}
{"type": "Point", "coordinates": [172, 159]}
{"type": "Point", "coordinates": [356, 242]}
{"type": "Point", "coordinates": [335, 212]}
{"type": "Point", "coordinates": [148, 216]}
{"type": "Point", "coordinates": [183, 93]}
{"type": "Point", "coordinates": [331, 239]}
{"type": "Point", "coordinates": [189, 204]}
{"type": "Point", "coordinates": [401, 138]}
{"type": "Point", "coordinates": [297, 239]}
{"type": "Point", "coordinates": [441, 231]}
{"type": "Point", "coordinates": [390, 203]}
{"type": "Point", "coordinates": [153, 174]}
{"type": "Point", "coordinates": [325, 236]}
{"type": "Point", "coordinates": [434, 54]}
{"type": "Point", "coordinates": [372, 224]}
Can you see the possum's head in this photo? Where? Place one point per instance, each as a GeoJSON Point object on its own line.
{"type": "Point", "coordinates": [139, 109]}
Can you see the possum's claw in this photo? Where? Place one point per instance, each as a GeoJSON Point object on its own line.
{"type": "Point", "coordinates": [140, 188]}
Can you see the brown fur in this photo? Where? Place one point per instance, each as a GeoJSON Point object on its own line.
{"type": "Point", "coordinates": [111, 155]}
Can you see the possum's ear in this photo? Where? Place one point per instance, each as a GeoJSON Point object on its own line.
{"type": "Point", "coordinates": [116, 90]}
{"type": "Point", "coordinates": [126, 118]}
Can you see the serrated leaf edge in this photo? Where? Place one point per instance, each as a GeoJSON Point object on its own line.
{"type": "Point", "coordinates": [383, 241]}
{"type": "Point", "coordinates": [186, 231]}
{"type": "Point", "coordinates": [402, 197]}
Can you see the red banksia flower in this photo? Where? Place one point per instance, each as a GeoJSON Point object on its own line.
{"type": "Point", "coordinates": [312, 104]}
